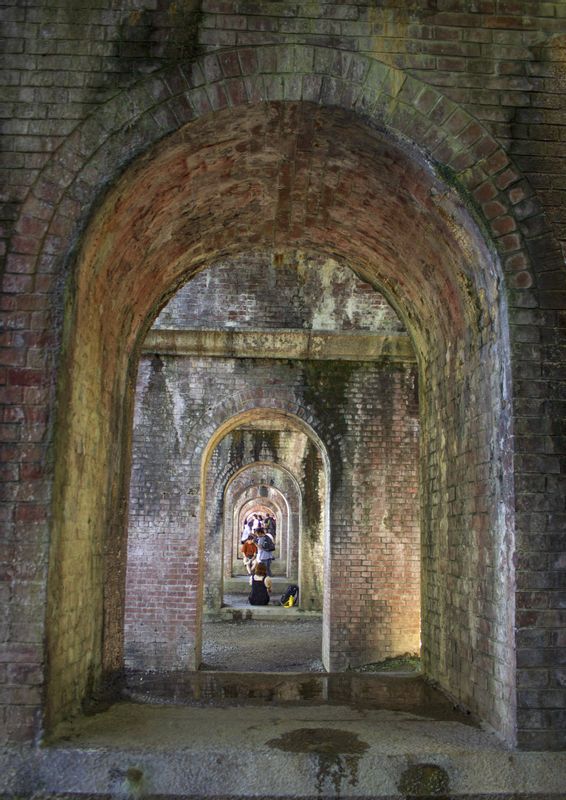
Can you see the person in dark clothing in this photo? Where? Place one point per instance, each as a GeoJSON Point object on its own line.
{"type": "Point", "coordinates": [271, 526]}
{"type": "Point", "coordinates": [261, 587]}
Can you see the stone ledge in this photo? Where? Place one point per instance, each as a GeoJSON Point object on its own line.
{"type": "Point", "coordinates": [325, 751]}
{"type": "Point", "coordinates": [270, 613]}
{"type": "Point", "coordinates": [281, 344]}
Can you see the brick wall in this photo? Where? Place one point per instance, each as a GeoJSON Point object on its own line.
{"type": "Point", "coordinates": [88, 88]}
{"type": "Point", "coordinates": [268, 290]}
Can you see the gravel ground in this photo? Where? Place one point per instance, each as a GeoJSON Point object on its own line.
{"type": "Point", "coordinates": [257, 646]}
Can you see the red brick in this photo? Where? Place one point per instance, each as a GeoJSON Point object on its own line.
{"type": "Point", "coordinates": [26, 377]}
{"type": "Point", "coordinates": [30, 512]}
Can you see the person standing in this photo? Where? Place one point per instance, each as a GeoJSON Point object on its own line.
{"type": "Point", "coordinates": [265, 548]}
{"type": "Point", "coordinates": [270, 526]}
{"type": "Point", "coordinates": [246, 530]}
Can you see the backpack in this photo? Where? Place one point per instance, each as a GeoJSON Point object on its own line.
{"type": "Point", "coordinates": [290, 596]}
{"type": "Point", "coordinates": [267, 543]}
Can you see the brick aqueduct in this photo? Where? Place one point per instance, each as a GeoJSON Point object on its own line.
{"type": "Point", "coordinates": [314, 246]}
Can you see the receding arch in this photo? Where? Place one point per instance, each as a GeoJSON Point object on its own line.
{"type": "Point", "coordinates": [241, 492]}
{"type": "Point", "coordinates": [364, 194]}
{"type": "Point", "coordinates": [222, 533]}
{"type": "Point", "coordinates": [272, 410]}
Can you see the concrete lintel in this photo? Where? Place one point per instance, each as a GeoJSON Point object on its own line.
{"type": "Point", "coordinates": [281, 343]}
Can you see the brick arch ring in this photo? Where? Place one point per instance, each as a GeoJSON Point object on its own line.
{"type": "Point", "coordinates": [236, 472]}
{"type": "Point", "coordinates": [65, 191]}
{"type": "Point", "coordinates": [232, 411]}
{"type": "Point", "coordinates": [231, 472]}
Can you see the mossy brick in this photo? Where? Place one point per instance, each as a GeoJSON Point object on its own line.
{"type": "Point", "coordinates": [410, 91]}
{"type": "Point", "coordinates": [357, 68]}
{"type": "Point", "coordinates": [229, 64]}
{"type": "Point", "coordinates": [255, 89]}
{"type": "Point", "coordinates": [426, 99]}
{"type": "Point", "coordinates": [236, 91]}
{"type": "Point", "coordinates": [323, 60]}
{"type": "Point", "coordinates": [340, 65]}
{"type": "Point", "coordinates": [293, 85]}
{"type": "Point", "coordinates": [194, 74]}
{"type": "Point", "coordinates": [462, 161]}
{"type": "Point", "coordinates": [332, 89]}
{"type": "Point", "coordinates": [285, 61]}
{"type": "Point", "coordinates": [378, 76]}
{"type": "Point", "coordinates": [267, 60]}
{"type": "Point", "coordinates": [303, 59]}
{"type": "Point", "coordinates": [274, 87]}
{"type": "Point", "coordinates": [312, 86]}
{"type": "Point", "coordinates": [165, 117]}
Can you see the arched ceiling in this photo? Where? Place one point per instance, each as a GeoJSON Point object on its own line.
{"type": "Point", "coordinates": [287, 176]}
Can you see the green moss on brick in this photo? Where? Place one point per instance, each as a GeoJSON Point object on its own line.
{"type": "Point", "coordinates": [326, 392]}
{"type": "Point", "coordinates": [312, 509]}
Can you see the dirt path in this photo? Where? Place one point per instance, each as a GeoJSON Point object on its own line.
{"type": "Point", "coordinates": [257, 646]}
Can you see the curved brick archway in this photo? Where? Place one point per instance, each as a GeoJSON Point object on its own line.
{"type": "Point", "coordinates": [323, 182]}
{"type": "Point", "coordinates": [242, 495]}
{"type": "Point", "coordinates": [128, 125]}
{"type": "Point", "coordinates": [273, 406]}
{"type": "Point", "coordinates": [249, 405]}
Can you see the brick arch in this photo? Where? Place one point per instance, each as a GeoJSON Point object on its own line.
{"type": "Point", "coordinates": [225, 417]}
{"type": "Point", "coordinates": [126, 126]}
{"type": "Point", "coordinates": [230, 412]}
{"type": "Point", "coordinates": [259, 464]}
{"type": "Point", "coordinates": [286, 505]}
{"type": "Point", "coordinates": [447, 287]}
{"type": "Point", "coordinates": [300, 560]}
{"type": "Point", "coordinates": [67, 188]}
{"type": "Point", "coordinates": [408, 110]}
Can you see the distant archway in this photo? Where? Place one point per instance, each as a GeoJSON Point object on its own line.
{"type": "Point", "coordinates": [284, 495]}
{"type": "Point", "coordinates": [249, 502]}
{"type": "Point", "coordinates": [249, 474]}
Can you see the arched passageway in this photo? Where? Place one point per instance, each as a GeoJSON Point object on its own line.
{"type": "Point", "coordinates": [324, 183]}
{"type": "Point", "coordinates": [262, 489]}
{"type": "Point", "coordinates": [368, 387]}
{"type": "Point", "coordinates": [231, 483]}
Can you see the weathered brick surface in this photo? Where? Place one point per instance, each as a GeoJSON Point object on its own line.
{"type": "Point", "coordinates": [273, 292]}
{"type": "Point", "coordinates": [479, 90]}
